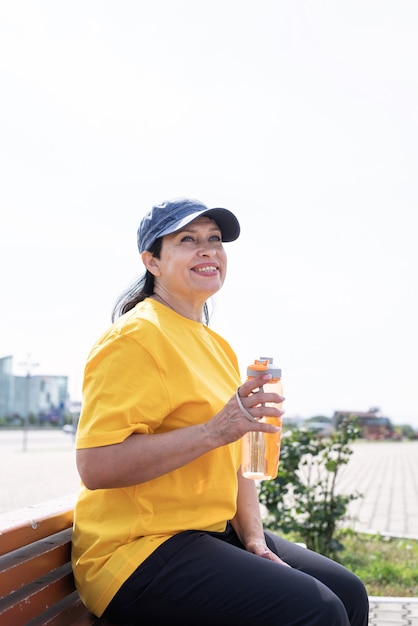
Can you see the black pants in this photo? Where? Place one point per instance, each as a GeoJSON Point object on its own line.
{"type": "Point", "coordinates": [209, 578]}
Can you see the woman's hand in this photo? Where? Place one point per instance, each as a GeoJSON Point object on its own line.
{"type": "Point", "coordinates": [260, 548]}
{"type": "Point", "coordinates": [232, 421]}
{"type": "Point", "coordinates": [247, 522]}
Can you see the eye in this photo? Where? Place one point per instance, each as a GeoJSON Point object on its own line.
{"type": "Point", "coordinates": [187, 238]}
{"type": "Point", "coordinates": [215, 238]}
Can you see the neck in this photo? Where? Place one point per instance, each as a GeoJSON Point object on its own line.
{"type": "Point", "coordinates": [180, 306]}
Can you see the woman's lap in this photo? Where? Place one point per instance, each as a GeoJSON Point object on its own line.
{"type": "Point", "coordinates": [207, 578]}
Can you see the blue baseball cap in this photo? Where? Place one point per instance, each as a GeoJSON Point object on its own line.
{"type": "Point", "coordinates": [172, 215]}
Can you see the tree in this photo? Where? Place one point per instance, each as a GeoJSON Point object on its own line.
{"type": "Point", "coordinates": [303, 498]}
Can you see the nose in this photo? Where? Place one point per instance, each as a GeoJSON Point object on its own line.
{"type": "Point", "coordinates": [207, 250]}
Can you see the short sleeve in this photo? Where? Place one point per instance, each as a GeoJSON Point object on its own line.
{"type": "Point", "coordinates": [123, 393]}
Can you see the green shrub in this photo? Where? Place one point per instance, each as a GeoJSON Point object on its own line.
{"type": "Point", "coordinates": [302, 499]}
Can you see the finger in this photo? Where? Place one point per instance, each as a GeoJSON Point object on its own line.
{"type": "Point", "coordinates": [255, 383]}
{"type": "Point", "coordinates": [262, 400]}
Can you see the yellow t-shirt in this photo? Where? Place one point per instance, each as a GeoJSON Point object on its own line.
{"type": "Point", "coordinates": [153, 371]}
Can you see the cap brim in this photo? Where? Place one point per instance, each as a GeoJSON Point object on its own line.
{"type": "Point", "coordinates": [227, 222]}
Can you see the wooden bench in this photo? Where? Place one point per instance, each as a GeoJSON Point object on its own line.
{"type": "Point", "coordinates": [36, 579]}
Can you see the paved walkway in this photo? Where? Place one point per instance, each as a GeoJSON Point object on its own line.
{"type": "Point", "coordinates": [386, 473]}
{"type": "Point", "coordinates": [45, 470]}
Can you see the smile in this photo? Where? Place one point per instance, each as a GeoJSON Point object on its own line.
{"type": "Point", "coordinates": [206, 268]}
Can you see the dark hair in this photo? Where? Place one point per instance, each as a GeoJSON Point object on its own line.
{"type": "Point", "coordinates": [142, 288]}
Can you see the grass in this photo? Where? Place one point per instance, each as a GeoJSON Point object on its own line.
{"type": "Point", "coordinates": [387, 566]}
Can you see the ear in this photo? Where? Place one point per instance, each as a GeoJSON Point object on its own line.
{"type": "Point", "coordinates": [150, 262]}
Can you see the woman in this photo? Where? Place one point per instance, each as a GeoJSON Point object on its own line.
{"type": "Point", "coordinates": [166, 527]}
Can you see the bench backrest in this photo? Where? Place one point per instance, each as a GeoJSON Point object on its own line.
{"type": "Point", "coordinates": [36, 579]}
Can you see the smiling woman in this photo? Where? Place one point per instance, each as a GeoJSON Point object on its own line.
{"type": "Point", "coordinates": [166, 527]}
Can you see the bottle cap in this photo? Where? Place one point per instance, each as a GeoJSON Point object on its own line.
{"type": "Point", "coordinates": [264, 364]}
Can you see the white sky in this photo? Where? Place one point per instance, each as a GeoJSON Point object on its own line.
{"type": "Point", "coordinates": [299, 116]}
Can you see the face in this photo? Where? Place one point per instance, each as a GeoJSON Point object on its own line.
{"type": "Point", "coordinates": [192, 260]}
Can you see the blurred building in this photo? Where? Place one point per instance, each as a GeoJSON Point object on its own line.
{"type": "Point", "coordinates": [42, 398]}
{"type": "Point", "coordinates": [6, 385]}
{"type": "Point", "coordinates": [372, 425]}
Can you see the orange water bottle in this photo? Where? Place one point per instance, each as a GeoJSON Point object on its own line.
{"type": "Point", "coordinates": [261, 451]}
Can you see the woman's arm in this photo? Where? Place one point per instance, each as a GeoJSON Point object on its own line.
{"type": "Point", "coordinates": [142, 457]}
{"type": "Point", "coordinates": [247, 521]}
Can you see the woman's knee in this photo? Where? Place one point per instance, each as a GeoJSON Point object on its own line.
{"type": "Point", "coordinates": [358, 603]}
{"type": "Point", "coordinates": [332, 612]}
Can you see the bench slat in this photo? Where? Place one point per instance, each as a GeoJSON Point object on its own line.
{"type": "Point", "coordinates": [29, 563]}
{"type": "Point", "coordinates": [25, 526]}
{"type": "Point", "coordinates": [30, 601]}
{"type": "Point", "coordinates": [70, 610]}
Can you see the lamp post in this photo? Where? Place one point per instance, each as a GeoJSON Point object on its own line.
{"type": "Point", "coordinates": [29, 365]}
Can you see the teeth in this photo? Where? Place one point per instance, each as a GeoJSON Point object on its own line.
{"type": "Point", "coordinates": [207, 268]}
